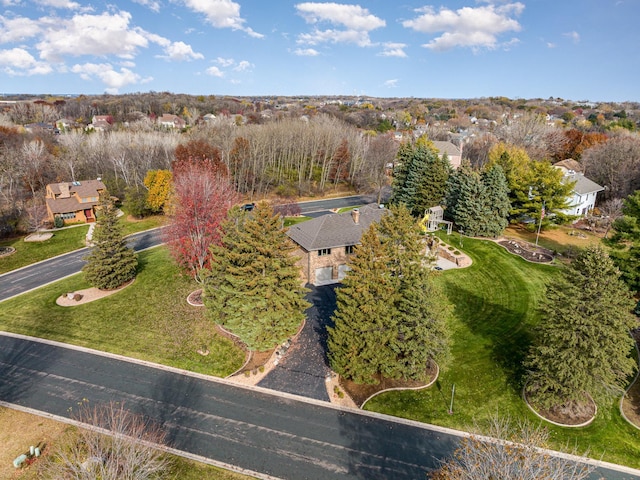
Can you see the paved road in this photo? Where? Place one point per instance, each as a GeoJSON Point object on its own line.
{"type": "Point", "coordinates": [48, 271]}
{"type": "Point", "coordinates": [315, 208]}
{"type": "Point", "coordinates": [265, 433]}
{"type": "Point", "coordinates": [276, 435]}
{"type": "Point", "coordinates": [305, 366]}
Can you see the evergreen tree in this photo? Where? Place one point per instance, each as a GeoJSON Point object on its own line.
{"type": "Point", "coordinates": [421, 181]}
{"type": "Point", "coordinates": [626, 241]}
{"type": "Point", "coordinates": [111, 263]}
{"type": "Point", "coordinates": [253, 288]}
{"type": "Point", "coordinates": [497, 204]}
{"type": "Point", "coordinates": [364, 318]}
{"type": "Point", "coordinates": [583, 342]}
{"type": "Point", "coordinates": [391, 317]}
{"type": "Point", "coordinates": [467, 202]}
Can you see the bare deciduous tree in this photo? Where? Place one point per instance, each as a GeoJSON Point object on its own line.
{"type": "Point", "coordinates": [116, 445]}
{"type": "Point", "coordinates": [510, 453]}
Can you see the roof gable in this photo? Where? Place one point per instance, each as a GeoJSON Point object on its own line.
{"type": "Point", "coordinates": [336, 229]}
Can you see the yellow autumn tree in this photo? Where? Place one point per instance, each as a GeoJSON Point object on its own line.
{"type": "Point", "coordinates": [159, 185]}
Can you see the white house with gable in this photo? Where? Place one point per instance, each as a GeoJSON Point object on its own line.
{"type": "Point", "coordinates": [585, 191]}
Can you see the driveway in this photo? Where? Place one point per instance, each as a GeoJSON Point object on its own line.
{"type": "Point", "coordinates": [305, 367]}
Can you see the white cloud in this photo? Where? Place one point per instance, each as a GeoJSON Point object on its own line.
{"type": "Point", "coordinates": [574, 36]}
{"type": "Point", "coordinates": [467, 27]}
{"type": "Point", "coordinates": [180, 51]}
{"type": "Point", "coordinates": [215, 72]}
{"type": "Point", "coordinates": [17, 29]}
{"type": "Point", "coordinates": [114, 80]}
{"type": "Point", "coordinates": [393, 83]}
{"type": "Point", "coordinates": [225, 62]}
{"type": "Point", "coordinates": [9, 3]}
{"type": "Point", "coordinates": [59, 4]}
{"type": "Point", "coordinates": [391, 49]}
{"type": "Point", "coordinates": [99, 35]}
{"type": "Point", "coordinates": [356, 23]}
{"type": "Point", "coordinates": [18, 61]}
{"type": "Point", "coordinates": [306, 52]}
{"type": "Point", "coordinates": [551, 45]}
{"type": "Point", "coordinates": [222, 14]}
{"type": "Point", "coordinates": [243, 66]}
{"type": "Point", "coordinates": [150, 4]}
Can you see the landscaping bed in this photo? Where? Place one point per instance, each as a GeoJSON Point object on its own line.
{"type": "Point", "coordinates": [527, 251]}
{"type": "Point", "coordinates": [359, 393]}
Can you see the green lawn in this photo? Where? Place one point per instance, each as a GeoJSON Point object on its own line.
{"type": "Point", "coordinates": [149, 320]}
{"type": "Point", "coordinates": [63, 241]}
{"type": "Point", "coordinates": [495, 307]}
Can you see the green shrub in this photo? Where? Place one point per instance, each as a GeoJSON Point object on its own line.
{"type": "Point", "coordinates": [58, 222]}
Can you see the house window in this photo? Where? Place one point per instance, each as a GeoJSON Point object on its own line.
{"type": "Point", "coordinates": [349, 249]}
{"type": "Point", "coordinates": [68, 216]}
{"type": "Point", "coordinates": [324, 251]}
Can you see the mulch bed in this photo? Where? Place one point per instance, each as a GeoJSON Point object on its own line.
{"type": "Point", "coordinates": [257, 360]}
{"type": "Point", "coordinates": [361, 392]}
{"type": "Point", "coordinates": [571, 413]}
{"type": "Point", "coordinates": [529, 252]}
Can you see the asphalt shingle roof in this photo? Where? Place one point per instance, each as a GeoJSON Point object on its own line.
{"type": "Point", "coordinates": [336, 229]}
{"type": "Point", "coordinates": [583, 184]}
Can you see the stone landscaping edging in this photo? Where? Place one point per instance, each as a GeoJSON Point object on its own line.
{"type": "Point", "coordinates": [584, 424]}
{"type": "Point", "coordinates": [421, 387]}
{"type": "Point", "coordinates": [620, 406]}
{"type": "Point", "coordinates": [271, 362]}
{"type": "Point", "coordinates": [6, 251]}
{"type": "Point", "coordinates": [194, 293]}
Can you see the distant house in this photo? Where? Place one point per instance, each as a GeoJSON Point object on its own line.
{"type": "Point", "coordinates": [171, 121]}
{"type": "Point", "coordinates": [585, 191]}
{"type": "Point", "coordinates": [454, 154]}
{"type": "Point", "coordinates": [74, 201]}
{"type": "Point", "coordinates": [100, 122]}
{"type": "Point", "coordinates": [325, 243]}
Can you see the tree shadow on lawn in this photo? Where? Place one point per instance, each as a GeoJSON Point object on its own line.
{"type": "Point", "coordinates": [510, 337]}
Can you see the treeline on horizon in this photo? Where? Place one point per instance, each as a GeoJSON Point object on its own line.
{"type": "Point", "coordinates": [290, 147]}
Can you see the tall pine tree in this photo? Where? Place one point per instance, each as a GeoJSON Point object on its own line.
{"type": "Point", "coordinates": [364, 318]}
{"type": "Point", "coordinates": [253, 288]}
{"type": "Point", "coordinates": [583, 342]}
{"type": "Point", "coordinates": [391, 318]}
{"type": "Point", "coordinates": [421, 178]}
{"type": "Point", "coordinates": [111, 263]}
{"type": "Point", "coordinates": [496, 198]}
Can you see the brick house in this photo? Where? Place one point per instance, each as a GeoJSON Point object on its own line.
{"type": "Point", "coordinates": [74, 201]}
{"type": "Point", "coordinates": [324, 244]}
{"type": "Point", "coordinates": [168, 120]}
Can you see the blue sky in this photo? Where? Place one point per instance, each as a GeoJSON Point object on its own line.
{"type": "Point", "coordinates": [572, 49]}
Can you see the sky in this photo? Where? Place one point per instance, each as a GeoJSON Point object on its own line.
{"type": "Point", "coordinates": [580, 50]}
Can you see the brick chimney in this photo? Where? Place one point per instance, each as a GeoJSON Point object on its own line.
{"type": "Point", "coordinates": [355, 214]}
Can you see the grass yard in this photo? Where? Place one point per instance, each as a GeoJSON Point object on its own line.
{"type": "Point", "coordinates": [63, 241]}
{"type": "Point", "coordinates": [559, 239]}
{"type": "Point", "coordinates": [495, 307]}
{"type": "Point", "coordinates": [149, 320]}
{"type": "Point", "coordinates": [19, 430]}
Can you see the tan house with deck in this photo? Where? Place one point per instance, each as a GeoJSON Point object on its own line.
{"type": "Point", "coordinates": [74, 201]}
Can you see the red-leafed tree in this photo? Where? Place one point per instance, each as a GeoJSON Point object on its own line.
{"type": "Point", "coordinates": [198, 152]}
{"type": "Point", "coordinates": [203, 197]}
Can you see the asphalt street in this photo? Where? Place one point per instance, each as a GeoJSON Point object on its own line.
{"type": "Point", "coordinates": [250, 428]}
{"type": "Point", "coordinates": [39, 274]}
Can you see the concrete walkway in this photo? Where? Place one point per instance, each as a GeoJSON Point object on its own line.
{"type": "Point", "coordinates": [304, 369]}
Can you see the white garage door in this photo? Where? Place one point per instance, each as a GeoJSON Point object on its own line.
{"type": "Point", "coordinates": [342, 271]}
{"type": "Point", "coordinates": [323, 275]}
